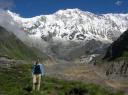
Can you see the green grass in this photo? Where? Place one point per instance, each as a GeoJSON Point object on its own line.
{"type": "Point", "coordinates": [125, 55]}
{"type": "Point", "coordinates": [17, 81]}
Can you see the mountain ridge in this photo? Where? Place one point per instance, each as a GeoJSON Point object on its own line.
{"type": "Point", "coordinates": [63, 23]}
{"type": "Point", "coordinates": [66, 31]}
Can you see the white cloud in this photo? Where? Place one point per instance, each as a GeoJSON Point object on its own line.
{"type": "Point", "coordinates": [119, 3]}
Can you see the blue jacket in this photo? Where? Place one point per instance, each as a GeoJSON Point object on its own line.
{"type": "Point", "coordinates": [41, 67]}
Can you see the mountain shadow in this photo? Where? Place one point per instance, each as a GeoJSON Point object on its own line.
{"type": "Point", "coordinates": [118, 48]}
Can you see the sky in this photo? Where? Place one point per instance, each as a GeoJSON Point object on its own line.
{"type": "Point", "coordinates": [31, 8]}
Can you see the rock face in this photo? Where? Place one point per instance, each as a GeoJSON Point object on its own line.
{"type": "Point", "coordinates": [119, 48]}
{"type": "Point", "coordinates": [117, 69]}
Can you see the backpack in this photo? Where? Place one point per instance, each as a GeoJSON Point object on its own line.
{"type": "Point", "coordinates": [37, 69]}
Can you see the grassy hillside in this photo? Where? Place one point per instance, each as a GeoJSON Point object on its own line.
{"type": "Point", "coordinates": [12, 47]}
{"type": "Point", "coordinates": [17, 80]}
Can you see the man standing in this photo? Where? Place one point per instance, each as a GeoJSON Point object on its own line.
{"type": "Point", "coordinates": [37, 72]}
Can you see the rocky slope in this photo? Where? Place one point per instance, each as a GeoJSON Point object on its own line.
{"type": "Point", "coordinates": [117, 55]}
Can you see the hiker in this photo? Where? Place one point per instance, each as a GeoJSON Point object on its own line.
{"type": "Point", "coordinates": [37, 72]}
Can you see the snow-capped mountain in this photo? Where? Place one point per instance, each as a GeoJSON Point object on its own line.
{"type": "Point", "coordinates": [72, 33]}
{"type": "Point", "coordinates": [74, 24]}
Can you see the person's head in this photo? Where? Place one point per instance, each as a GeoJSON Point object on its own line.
{"type": "Point", "coordinates": [37, 61]}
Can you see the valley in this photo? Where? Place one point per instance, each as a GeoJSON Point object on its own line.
{"type": "Point", "coordinates": [81, 55]}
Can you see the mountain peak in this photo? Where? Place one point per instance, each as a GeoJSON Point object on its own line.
{"type": "Point", "coordinates": [69, 10]}
{"type": "Point", "coordinates": [72, 12]}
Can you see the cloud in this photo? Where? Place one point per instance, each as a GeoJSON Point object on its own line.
{"type": "Point", "coordinates": [6, 4]}
{"type": "Point", "coordinates": [118, 3]}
